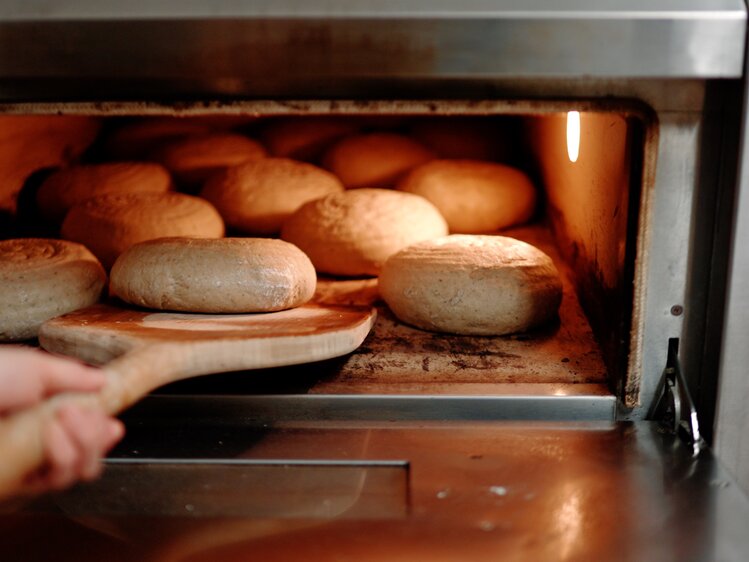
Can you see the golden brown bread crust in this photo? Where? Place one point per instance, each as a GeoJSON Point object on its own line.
{"type": "Point", "coordinates": [354, 232]}
{"type": "Point", "coordinates": [228, 275]}
{"type": "Point", "coordinates": [31, 142]}
{"type": "Point", "coordinates": [194, 159]}
{"type": "Point", "coordinates": [374, 159]}
{"type": "Point", "coordinates": [70, 186]}
{"type": "Point", "coordinates": [220, 121]}
{"type": "Point", "coordinates": [304, 138]}
{"type": "Point", "coordinates": [474, 196]}
{"type": "Point", "coordinates": [42, 279]}
{"type": "Point", "coordinates": [473, 285]}
{"type": "Point", "coordinates": [137, 139]}
{"type": "Point", "coordinates": [109, 224]}
{"type": "Point", "coordinates": [257, 197]}
{"type": "Point", "coordinates": [465, 138]}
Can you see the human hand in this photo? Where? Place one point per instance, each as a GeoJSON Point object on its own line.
{"type": "Point", "coordinates": [76, 438]}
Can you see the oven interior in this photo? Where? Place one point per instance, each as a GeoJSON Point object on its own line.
{"type": "Point", "coordinates": [590, 162]}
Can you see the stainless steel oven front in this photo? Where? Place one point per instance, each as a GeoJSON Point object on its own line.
{"type": "Point", "coordinates": [548, 446]}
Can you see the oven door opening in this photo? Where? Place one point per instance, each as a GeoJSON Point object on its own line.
{"type": "Point", "coordinates": [417, 439]}
{"type": "Point", "coordinates": [589, 161]}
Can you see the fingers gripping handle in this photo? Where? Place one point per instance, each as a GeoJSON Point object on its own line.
{"type": "Point", "coordinates": [129, 377]}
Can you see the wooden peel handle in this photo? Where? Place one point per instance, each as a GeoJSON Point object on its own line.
{"type": "Point", "coordinates": [129, 378]}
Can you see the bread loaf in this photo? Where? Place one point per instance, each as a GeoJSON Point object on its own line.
{"type": "Point", "coordinates": [257, 197]}
{"type": "Point", "coordinates": [194, 159]}
{"type": "Point", "coordinates": [138, 139]}
{"type": "Point", "coordinates": [42, 279]}
{"type": "Point", "coordinates": [354, 232]}
{"type": "Point", "coordinates": [465, 138]}
{"type": "Point", "coordinates": [473, 196]}
{"type": "Point", "coordinates": [70, 186]}
{"type": "Point", "coordinates": [374, 159]}
{"type": "Point", "coordinates": [304, 138]}
{"type": "Point", "coordinates": [220, 121]}
{"type": "Point", "coordinates": [110, 224]}
{"type": "Point", "coordinates": [229, 275]}
{"type": "Point", "coordinates": [32, 142]}
{"type": "Point", "coordinates": [473, 285]}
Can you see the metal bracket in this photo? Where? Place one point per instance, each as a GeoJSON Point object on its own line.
{"type": "Point", "coordinates": [674, 406]}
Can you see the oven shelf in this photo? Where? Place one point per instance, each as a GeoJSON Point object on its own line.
{"type": "Point", "coordinates": [408, 371]}
{"type": "Point", "coordinates": [395, 354]}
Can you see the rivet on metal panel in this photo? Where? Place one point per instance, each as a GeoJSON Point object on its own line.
{"type": "Point", "coordinates": [677, 310]}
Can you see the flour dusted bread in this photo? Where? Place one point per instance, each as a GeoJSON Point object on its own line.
{"type": "Point", "coordinates": [109, 224]}
{"type": "Point", "coordinates": [374, 159]}
{"type": "Point", "coordinates": [474, 196]}
{"type": "Point", "coordinates": [354, 232]}
{"type": "Point", "coordinates": [193, 159]}
{"type": "Point", "coordinates": [304, 138]}
{"type": "Point", "coordinates": [473, 285]}
{"type": "Point", "coordinates": [42, 279]}
{"type": "Point", "coordinates": [229, 275]}
{"type": "Point", "coordinates": [73, 185]}
{"type": "Point", "coordinates": [257, 197]}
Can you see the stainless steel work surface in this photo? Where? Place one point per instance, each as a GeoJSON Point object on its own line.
{"type": "Point", "coordinates": [296, 48]}
{"type": "Point", "coordinates": [474, 491]}
{"type": "Point", "coordinates": [284, 488]}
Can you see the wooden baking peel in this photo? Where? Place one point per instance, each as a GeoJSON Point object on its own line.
{"type": "Point", "coordinates": [142, 350]}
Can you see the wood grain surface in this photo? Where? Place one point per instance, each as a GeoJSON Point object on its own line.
{"type": "Point", "coordinates": [144, 350]}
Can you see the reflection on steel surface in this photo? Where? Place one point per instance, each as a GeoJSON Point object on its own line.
{"type": "Point", "coordinates": [568, 519]}
{"type": "Point", "coordinates": [476, 491]}
{"type": "Point", "coordinates": [302, 43]}
{"type": "Point", "coordinates": [244, 488]}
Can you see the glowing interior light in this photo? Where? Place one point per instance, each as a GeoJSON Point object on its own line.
{"type": "Point", "coordinates": [573, 135]}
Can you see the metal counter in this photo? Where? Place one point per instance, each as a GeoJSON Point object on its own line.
{"type": "Point", "coordinates": [393, 491]}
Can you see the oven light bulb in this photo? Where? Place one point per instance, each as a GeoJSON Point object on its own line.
{"type": "Point", "coordinates": [573, 135]}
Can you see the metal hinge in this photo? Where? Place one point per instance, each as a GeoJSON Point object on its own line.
{"type": "Point", "coordinates": [673, 405]}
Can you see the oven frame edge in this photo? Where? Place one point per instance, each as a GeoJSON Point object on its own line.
{"type": "Point", "coordinates": [675, 120]}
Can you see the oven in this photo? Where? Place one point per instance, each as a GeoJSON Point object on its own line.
{"type": "Point", "coordinates": [595, 437]}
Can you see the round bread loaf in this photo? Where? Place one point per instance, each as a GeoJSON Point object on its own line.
{"type": "Point", "coordinates": [70, 186]}
{"type": "Point", "coordinates": [257, 197]}
{"type": "Point", "coordinates": [228, 275]}
{"type": "Point", "coordinates": [193, 160]}
{"type": "Point", "coordinates": [354, 232]}
{"type": "Point", "coordinates": [42, 279]}
{"type": "Point", "coordinates": [109, 224]}
{"type": "Point", "coordinates": [304, 138]}
{"type": "Point", "coordinates": [464, 138]}
{"type": "Point", "coordinates": [29, 143]}
{"type": "Point", "coordinates": [473, 285]}
{"type": "Point", "coordinates": [474, 196]}
{"type": "Point", "coordinates": [374, 159]}
{"type": "Point", "coordinates": [138, 139]}
{"type": "Point", "coordinates": [221, 121]}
